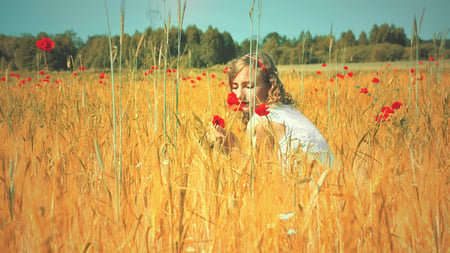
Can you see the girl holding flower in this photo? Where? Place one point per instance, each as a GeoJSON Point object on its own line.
{"type": "Point", "coordinates": [268, 114]}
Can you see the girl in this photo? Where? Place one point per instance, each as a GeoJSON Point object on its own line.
{"type": "Point", "coordinates": [280, 125]}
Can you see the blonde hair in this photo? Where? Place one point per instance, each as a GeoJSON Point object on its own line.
{"type": "Point", "coordinates": [267, 70]}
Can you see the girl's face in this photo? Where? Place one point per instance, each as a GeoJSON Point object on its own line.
{"type": "Point", "coordinates": [242, 87]}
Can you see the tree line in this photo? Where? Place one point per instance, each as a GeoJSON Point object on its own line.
{"type": "Point", "coordinates": [211, 47]}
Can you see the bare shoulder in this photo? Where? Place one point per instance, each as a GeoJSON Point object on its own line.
{"type": "Point", "coordinates": [267, 128]}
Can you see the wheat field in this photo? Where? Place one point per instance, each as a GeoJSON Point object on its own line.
{"type": "Point", "coordinates": [73, 180]}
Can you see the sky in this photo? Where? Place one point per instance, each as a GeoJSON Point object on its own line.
{"type": "Point", "coordinates": [286, 17]}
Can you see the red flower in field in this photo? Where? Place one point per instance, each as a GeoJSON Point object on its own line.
{"type": "Point", "coordinates": [375, 80]}
{"type": "Point", "coordinates": [225, 71]}
{"type": "Point", "coordinates": [45, 44]}
{"type": "Point", "coordinates": [396, 105]}
{"type": "Point", "coordinates": [192, 81]}
{"type": "Point", "coordinates": [318, 72]}
{"type": "Point", "coordinates": [204, 74]}
{"type": "Point", "coordinates": [340, 75]}
{"type": "Point", "coordinates": [331, 80]}
{"type": "Point", "coordinates": [102, 75]}
{"type": "Point", "coordinates": [41, 72]}
{"type": "Point", "coordinates": [169, 71]}
{"type": "Point", "coordinates": [218, 121]}
{"type": "Point", "coordinates": [381, 117]}
{"type": "Point", "coordinates": [412, 70]}
{"type": "Point", "coordinates": [364, 90]}
{"type": "Point", "coordinates": [174, 70]}
{"type": "Point", "coordinates": [81, 69]}
{"type": "Point", "coordinates": [431, 58]}
{"type": "Point", "coordinates": [199, 78]}
{"type": "Point", "coordinates": [3, 79]}
{"type": "Point", "coordinates": [324, 65]}
{"type": "Point", "coordinates": [47, 77]}
{"type": "Point", "coordinates": [233, 102]}
{"type": "Point", "coordinates": [12, 74]}
{"type": "Point", "coordinates": [29, 79]}
{"type": "Point", "coordinates": [350, 74]}
{"type": "Point", "coordinates": [75, 74]}
{"type": "Point", "coordinates": [261, 110]}
{"type": "Point", "coordinates": [420, 63]}
{"type": "Point", "coordinates": [213, 76]}
{"type": "Point", "coordinates": [387, 110]}
{"type": "Point", "coordinates": [345, 68]}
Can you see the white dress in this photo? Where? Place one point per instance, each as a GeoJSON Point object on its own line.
{"type": "Point", "coordinates": [301, 133]}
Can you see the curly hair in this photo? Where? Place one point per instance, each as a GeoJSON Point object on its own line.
{"type": "Point", "coordinates": [267, 70]}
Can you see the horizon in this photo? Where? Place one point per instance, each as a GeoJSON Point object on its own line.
{"type": "Point", "coordinates": [288, 19]}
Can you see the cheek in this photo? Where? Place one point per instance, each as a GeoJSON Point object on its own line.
{"type": "Point", "coordinates": [262, 93]}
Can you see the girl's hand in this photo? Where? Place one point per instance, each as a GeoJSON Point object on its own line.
{"type": "Point", "coordinates": [218, 136]}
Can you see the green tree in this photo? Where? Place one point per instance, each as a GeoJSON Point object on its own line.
{"type": "Point", "coordinates": [374, 37]}
{"type": "Point", "coordinates": [362, 40]}
{"type": "Point", "coordinates": [25, 54]}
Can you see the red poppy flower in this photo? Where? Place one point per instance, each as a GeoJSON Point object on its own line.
{"type": "Point", "coordinates": [324, 65]}
{"type": "Point", "coordinates": [233, 102]}
{"type": "Point", "coordinates": [204, 74]}
{"type": "Point", "coordinates": [213, 76]}
{"type": "Point", "coordinates": [387, 110]}
{"type": "Point", "coordinates": [396, 105]}
{"type": "Point", "coordinates": [218, 121]}
{"type": "Point", "coordinates": [29, 79]}
{"type": "Point", "coordinates": [350, 74]}
{"type": "Point", "coordinates": [381, 117]}
{"type": "Point", "coordinates": [261, 110]}
{"type": "Point", "coordinates": [199, 78]}
{"type": "Point", "coordinates": [41, 72]}
{"type": "Point", "coordinates": [224, 71]}
{"type": "Point", "coordinates": [45, 44]}
{"type": "Point", "coordinates": [169, 71]}
{"type": "Point", "coordinates": [81, 68]}
{"type": "Point", "coordinates": [375, 80]}
{"type": "Point", "coordinates": [12, 74]}
{"type": "Point", "coordinates": [318, 72]}
{"type": "Point", "coordinates": [174, 70]}
{"type": "Point", "coordinates": [192, 81]}
{"type": "Point", "coordinates": [420, 63]}
{"type": "Point", "coordinates": [3, 79]}
{"type": "Point", "coordinates": [431, 58]}
{"type": "Point", "coordinates": [364, 90]}
{"type": "Point", "coordinates": [412, 70]}
{"type": "Point", "coordinates": [345, 67]}
{"type": "Point", "coordinates": [102, 75]}
{"type": "Point", "coordinates": [75, 73]}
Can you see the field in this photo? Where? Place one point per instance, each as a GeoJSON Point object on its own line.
{"type": "Point", "coordinates": [75, 177]}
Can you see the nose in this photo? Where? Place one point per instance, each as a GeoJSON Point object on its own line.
{"type": "Point", "coordinates": [240, 93]}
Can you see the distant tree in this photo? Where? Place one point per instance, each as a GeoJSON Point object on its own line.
{"type": "Point", "coordinates": [348, 39]}
{"type": "Point", "coordinates": [374, 35]}
{"type": "Point", "coordinates": [193, 35]}
{"type": "Point", "coordinates": [244, 47]}
{"type": "Point", "coordinates": [274, 37]}
{"type": "Point", "coordinates": [383, 33]}
{"type": "Point", "coordinates": [399, 37]}
{"type": "Point", "coordinates": [362, 40]}
{"type": "Point", "coordinates": [273, 48]}
{"type": "Point", "coordinates": [25, 54]}
{"type": "Point", "coordinates": [96, 52]}
{"type": "Point", "coordinates": [213, 47]}
{"type": "Point", "coordinates": [229, 50]}
{"type": "Point", "coordinates": [64, 47]}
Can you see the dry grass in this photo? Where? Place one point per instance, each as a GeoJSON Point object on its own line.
{"type": "Point", "coordinates": [58, 186]}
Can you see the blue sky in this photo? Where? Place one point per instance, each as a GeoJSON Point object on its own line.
{"type": "Point", "coordinates": [287, 17]}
